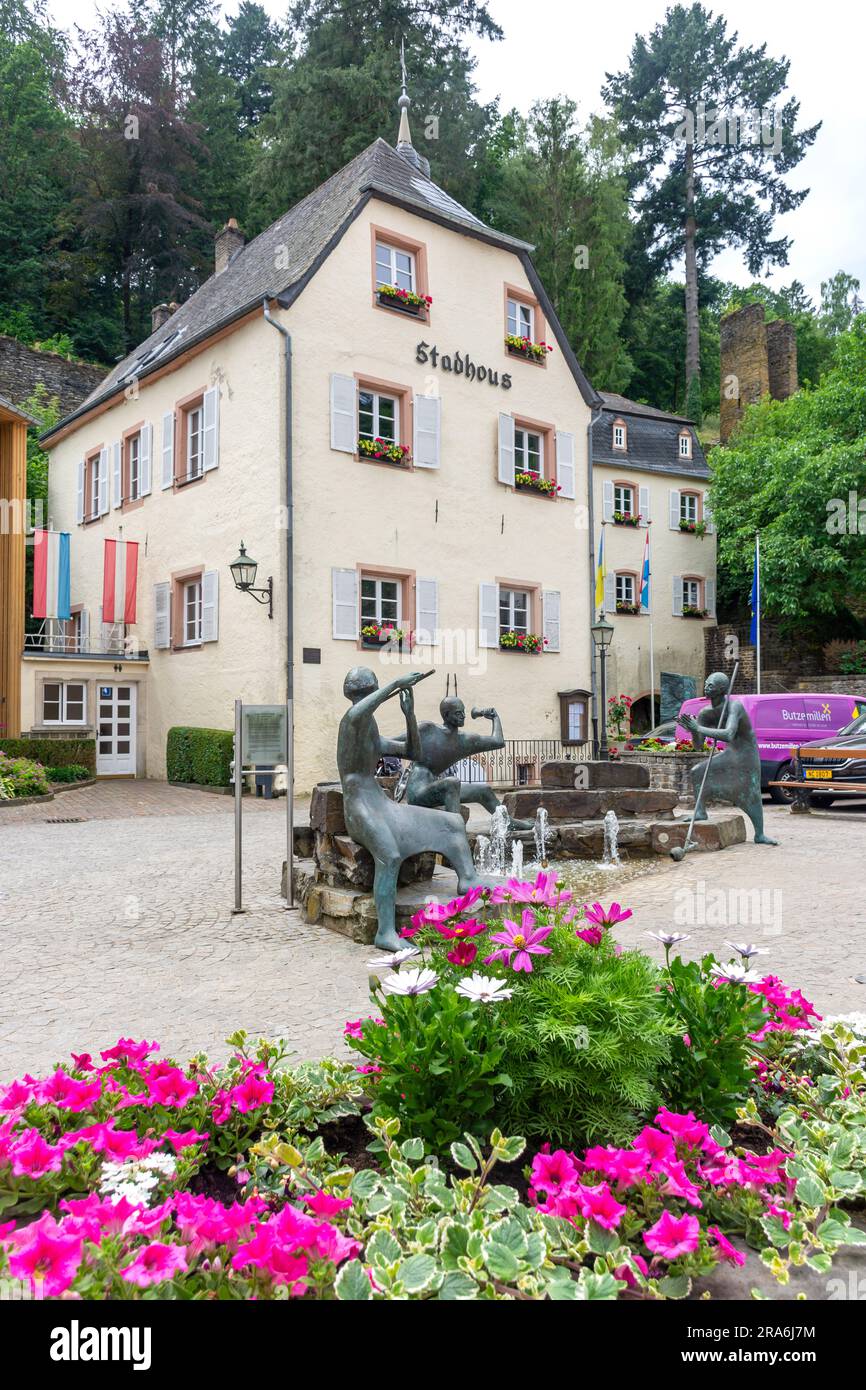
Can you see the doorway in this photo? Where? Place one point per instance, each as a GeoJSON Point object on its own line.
{"type": "Point", "coordinates": [115, 731]}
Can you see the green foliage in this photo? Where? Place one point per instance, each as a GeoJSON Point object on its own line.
{"type": "Point", "coordinates": [53, 752]}
{"type": "Point", "coordinates": [711, 1073]}
{"type": "Point", "coordinates": [199, 755]}
{"type": "Point", "coordinates": [21, 777]}
{"type": "Point", "coordinates": [441, 1062]}
{"type": "Point", "coordinates": [788, 472]}
{"type": "Point", "coordinates": [72, 772]}
{"type": "Point", "coordinates": [586, 1043]}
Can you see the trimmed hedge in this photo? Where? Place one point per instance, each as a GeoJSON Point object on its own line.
{"type": "Point", "coordinates": [69, 772]}
{"type": "Point", "coordinates": [54, 752]}
{"type": "Point", "coordinates": [199, 755]}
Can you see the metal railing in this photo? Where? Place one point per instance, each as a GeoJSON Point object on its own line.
{"type": "Point", "coordinates": [55, 637]}
{"type": "Point", "coordinates": [518, 763]}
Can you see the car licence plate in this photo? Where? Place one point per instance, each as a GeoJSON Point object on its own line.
{"type": "Point", "coordinates": [818, 774]}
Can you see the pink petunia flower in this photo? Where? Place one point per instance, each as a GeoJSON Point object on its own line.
{"type": "Point", "coordinates": [672, 1236]}
{"type": "Point", "coordinates": [45, 1256]}
{"type": "Point", "coordinates": [186, 1139]}
{"type": "Point", "coordinates": [33, 1158]}
{"type": "Point", "coordinates": [132, 1053]}
{"type": "Point", "coordinates": [16, 1096]}
{"type": "Point", "coordinates": [67, 1093]}
{"type": "Point", "coordinates": [252, 1093]}
{"type": "Point", "coordinates": [519, 943]}
{"type": "Point", "coordinates": [727, 1251]}
{"type": "Point", "coordinates": [172, 1089]}
{"type": "Point", "coordinates": [325, 1204]}
{"type": "Point", "coordinates": [553, 1171]}
{"type": "Point", "coordinates": [154, 1264]}
{"type": "Point", "coordinates": [599, 1204]}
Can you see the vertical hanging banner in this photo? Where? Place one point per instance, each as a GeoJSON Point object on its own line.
{"type": "Point", "coordinates": [119, 581]}
{"type": "Point", "coordinates": [51, 583]}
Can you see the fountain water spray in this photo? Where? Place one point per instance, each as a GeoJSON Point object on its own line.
{"type": "Point", "coordinates": [516, 858]}
{"type": "Point", "coordinates": [611, 836]}
{"type": "Point", "coordinates": [539, 833]}
{"type": "Point", "coordinates": [482, 854]}
{"type": "Point", "coordinates": [499, 828]}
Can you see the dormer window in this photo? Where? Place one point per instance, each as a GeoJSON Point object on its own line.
{"type": "Point", "coordinates": [685, 444]}
{"type": "Point", "coordinates": [620, 436]}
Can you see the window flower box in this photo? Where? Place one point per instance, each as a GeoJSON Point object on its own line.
{"type": "Point", "coordinates": [626, 519]}
{"type": "Point", "coordinates": [693, 528]}
{"type": "Point", "coordinates": [624, 606]}
{"type": "Point", "coordinates": [524, 347]}
{"type": "Point", "coordinates": [405, 300]}
{"type": "Point", "coordinates": [381, 634]}
{"type": "Point", "coordinates": [521, 642]}
{"type": "Point", "coordinates": [533, 482]}
{"type": "Point", "coordinates": [690, 611]}
{"type": "Point", "coordinates": [384, 451]}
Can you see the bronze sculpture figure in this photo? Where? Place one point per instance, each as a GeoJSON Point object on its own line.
{"type": "Point", "coordinates": [735, 772]}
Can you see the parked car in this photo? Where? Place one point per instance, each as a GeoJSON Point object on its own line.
{"type": "Point", "coordinates": [842, 760]}
{"type": "Point", "coordinates": [780, 723]}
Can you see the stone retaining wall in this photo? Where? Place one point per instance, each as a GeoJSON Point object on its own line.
{"type": "Point", "coordinates": [21, 367]}
{"type": "Point", "coordinates": [668, 771]}
{"type": "Point", "coordinates": [835, 685]}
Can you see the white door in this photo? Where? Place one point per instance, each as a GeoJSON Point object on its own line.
{"type": "Point", "coordinates": [115, 730]}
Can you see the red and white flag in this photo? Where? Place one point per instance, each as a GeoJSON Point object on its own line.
{"type": "Point", "coordinates": [120, 577]}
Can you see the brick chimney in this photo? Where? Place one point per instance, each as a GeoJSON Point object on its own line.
{"type": "Point", "coordinates": [160, 315]}
{"type": "Point", "coordinates": [226, 244]}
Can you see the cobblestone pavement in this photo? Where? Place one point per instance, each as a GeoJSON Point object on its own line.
{"type": "Point", "coordinates": [122, 923]}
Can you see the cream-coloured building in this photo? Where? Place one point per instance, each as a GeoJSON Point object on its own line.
{"type": "Point", "coordinates": [384, 460]}
{"type": "Point", "coordinates": [650, 479]}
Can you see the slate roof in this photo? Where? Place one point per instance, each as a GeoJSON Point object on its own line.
{"type": "Point", "coordinates": [652, 439]}
{"type": "Point", "coordinates": [282, 259]}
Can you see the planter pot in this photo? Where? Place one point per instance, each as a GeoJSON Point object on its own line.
{"type": "Point", "coordinates": [697, 617]}
{"type": "Point", "coordinates": [633, 524]}
{"type": "Point", "coordinates": [390, 302]}
{"type": "Point", "coordinates": [525, 356]}
{"type": "Point", "coordinates": [527, 487]}
{"type": "Point", "coordinates": [628, 612]}
{"type": "Point", "coordinates": [522, 651]}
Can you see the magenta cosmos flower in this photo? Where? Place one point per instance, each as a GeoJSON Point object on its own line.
{"type": "Point", "coordinates": [593, 936]}
{"type": "Point", "coordinates": [672, 1236]}
{"type": "Point", "coordinates": [462, 930]}
{"type": "Point", "coordinates": [518, 944]}
{"type": "Point", "coordinates": [606, 916]}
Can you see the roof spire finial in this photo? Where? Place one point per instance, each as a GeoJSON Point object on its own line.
{"type": "Point", "coordinates": [404, 135]}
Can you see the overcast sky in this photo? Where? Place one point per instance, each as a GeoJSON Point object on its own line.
{"type": "Point", "coordinates": [559, 46]}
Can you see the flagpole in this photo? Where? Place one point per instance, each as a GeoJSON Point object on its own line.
{"type": "Point", "coordinates": [758, 607]}
{"type": "Point", "coordinates": [652, 652]}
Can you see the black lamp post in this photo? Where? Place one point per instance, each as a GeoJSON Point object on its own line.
{"type": "Point", "coordinates": [602, 636]}
{"type": "Point", "coordinates": [244, 574]}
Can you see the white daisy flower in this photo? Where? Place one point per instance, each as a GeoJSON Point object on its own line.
{"type": "Point", "coordinates": [484, 989]}
{"type": "Point", "coordinates": [746, 949]}
{"type": "Point", "coordinates": [668, 938]}
{"type": "Point", "coordinates": [410, 982]}
{"type": "Point", "coordinates": [735, 974]}
{"type": "Point", "coordinates": [394, 958]}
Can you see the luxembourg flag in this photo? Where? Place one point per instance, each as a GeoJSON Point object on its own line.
{"type": "Point", "coordinates": [51, 587]}
{"type": "Point", "coordinates": [119, 580]}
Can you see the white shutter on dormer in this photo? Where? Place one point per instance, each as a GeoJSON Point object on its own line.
{"type": "Point", "coordinates": [117, 471]}
{"type": "Point", "coordinates": [674, 504]}
{"type": "Point", "coordinates": [565, 465]}
{"type": "Point", "coordinates": [210, 607]}
{"type": "Point", "coordinates": [607, 501]}
{"type": "Point", "coordinates": [79, 493]}
{"type": "Point", "coordinates": [550, 606]}
{"type": "Point", "coordinates": [344, 598]}
{"type": "Point", "coordinates": [426, 431]}
{"type": "Point", "coordinates": [506, 456]}
{"type": "Point", "coordinates": [168, 449]}
{"type": "Point", "coordinates": [427, 615]}
{"type": "Point", "coordinates": [643, 505]}
{"type": "Point", "coordinates": [104, 481]}
{"type": "Point", "coordinates": [344, 434]}
{"type": "Point", "coordinates": [609, 605]}
{"type": "Point", "coordinates": [211, 430]}
{"type": "Point", "coordinates": [677, 607]}
{"type": "Point", "coordinates": [145, 461]}
{"type": "Point", "coordinates": [162, 616]}
{"type": "Point", "coordinates": [488, 614]}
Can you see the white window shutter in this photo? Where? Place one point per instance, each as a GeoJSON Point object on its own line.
{"type": "Point", "coordinates": [710, 597]}
{"type": "Point", "coordinates": [674, 500]}
{"type": "Point", "coordinates": [211, 431]}
{"type": "Point", "coordinates": [426, 430]}
{"type": "Point", "coordinates": [550, 606]}
{"type": "Point", "coordinates": [609, 605]}
{"type": "Point", "coordinates": [506, 459]}
{"type": "Point", "coordinates": [565, 466]}
{"type": "Point", "coordinates": [104, 481]}
{"type": "Point", "coordinates": [210, 606]}
{"type": "Point", "coordinates": [145, 460]}
{"type": "Point", "coordinates": [677, 608]}
{"type": "Point", "coordinates": [79, 493]}
{"type": "Point", "coordinates": [344, 434]}
{"type": "Point", "coordinates": [488, 610]}
{"type": "Point", "coordinates": [168, 449]}
{"type": "Point", "coordinates": [344, 596]}
{"type": "Point", "coordinates": [162, 615]}
{"type": "Point", "coordinates": [117, 470]}
{"type": "Point", "coordinates": [643, 505]}
{"type": "Point", "coordinates": [607, 501]}
{"type": "Point", "coordinates": [708, 515]}
{"type": "Point", "coordinates": [427, 612]}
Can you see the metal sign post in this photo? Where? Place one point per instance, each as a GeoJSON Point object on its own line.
{"type": "Point", "coordinates": [264, 736]}
{"type": "Point", "coordinates": [239, 791]}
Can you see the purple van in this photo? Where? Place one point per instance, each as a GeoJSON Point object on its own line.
{"type": "Point", "coordinates": [782, 722]}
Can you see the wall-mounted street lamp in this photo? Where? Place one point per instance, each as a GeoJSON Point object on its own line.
{"type": "Point", "coordinates": [602, 636]}
{"type": "Point", "coordinates": [244, 574]}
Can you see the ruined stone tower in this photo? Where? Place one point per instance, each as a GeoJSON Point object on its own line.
{"type": "Point", "coordinates": [756, 358]}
